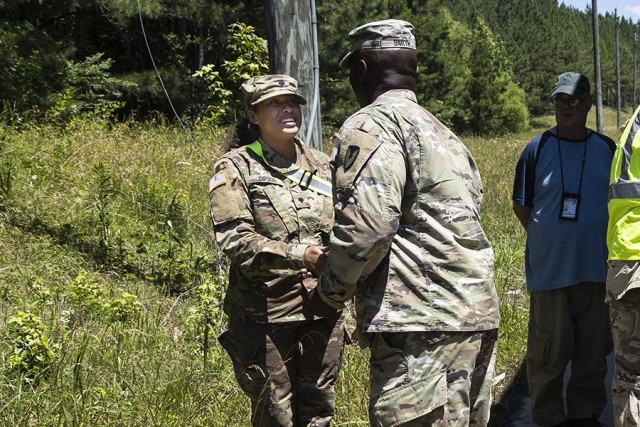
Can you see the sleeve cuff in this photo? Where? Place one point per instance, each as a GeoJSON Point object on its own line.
{"type": "Point", "coordinates": [338, 305]}
{"type": "Point", "coordinates": [295, 254]}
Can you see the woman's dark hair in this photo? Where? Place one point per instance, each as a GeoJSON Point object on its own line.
{"type": "Point", "coordinates": [242, 134]}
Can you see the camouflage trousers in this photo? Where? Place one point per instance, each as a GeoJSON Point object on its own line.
{"type": "Point", "coordinates": [625, 327]}
{"type": "Point", "coordinates": [287, 370]}
{"type": "Point", "coordinates": [431, 378]}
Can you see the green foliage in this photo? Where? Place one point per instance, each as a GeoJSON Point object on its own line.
{"type": "Point", "coordinates": [249, 58]}
{"type": "Point", "coordinates": [219, 96]}
{"type": "Point", "coordinates": [126, 340]}
{"type": "Point", "coordinates": [32, 68]}
{"type": "Point", "coordinates": [122, 307]}
{"type": "Point", "coordinates": [91, 299]}
{"type": "Point", "coordinates": [5, 186]}
{"type": "Point", "coordinates": [443, 83]}
{"type": "Point", "coordinates": [512, 116]}
{"type": "Point", "coordinates": [104, 193]}
{"type": "Point", "coordinates": [121, 216]}
{"type": "Point", "coordinates": [86, 294]}
{"type": "Point", "coordinates": [175, 264]}
{"type": "Point", "coordinates": [475, 91]}
{"type": "Point", "coordinates": [249, 53]}
{"type": "Point", "coordinates": [32, 355]}
{"type": "Point", "coordinates": [205, 314]}
{"type": "Point", "coordinates": [89, 89]}
{"type": "Point", "coordinates": [69, 59]}
{"type": "Point", "coordinates": [496, 103]}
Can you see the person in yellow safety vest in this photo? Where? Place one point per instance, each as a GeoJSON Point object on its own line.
{"type": "Point", "coordinates": [623, 276]}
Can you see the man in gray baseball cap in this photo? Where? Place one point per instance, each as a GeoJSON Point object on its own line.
{"type": "Point", "coordinates": [574, 84]}
{"type": "Point", "coordinates": [422, 279]}
{"type": "Point", "coordinates": [560, 198]}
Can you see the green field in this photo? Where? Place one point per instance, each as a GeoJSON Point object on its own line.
{"type": "Point", "coordinates": [110, 284]}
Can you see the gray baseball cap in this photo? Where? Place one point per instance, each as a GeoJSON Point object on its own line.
{"type": "Point", "coordinates": [387, 34]}
{"type": "Point", "coordinates": [260, 88]}
{"type": "Point", "coordinates": [574, 84]}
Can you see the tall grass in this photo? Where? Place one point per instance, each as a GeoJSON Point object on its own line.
{"type": "Point", "coordinates": [110, 285]}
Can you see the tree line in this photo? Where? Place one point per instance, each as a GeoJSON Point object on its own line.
{"type": "Point", "coordinates": [486, 66]}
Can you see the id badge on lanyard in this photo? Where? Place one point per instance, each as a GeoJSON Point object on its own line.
{"type": "Point", "coordinates": [569, 206]}
{"type": "Point", "coordinates": [570, 202]}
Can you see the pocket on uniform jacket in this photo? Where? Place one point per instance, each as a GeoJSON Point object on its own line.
{"type": "Point", "coordinates": [538, 344]}
{"type": "Point", "coordinates": [411, 401]}
{"type": "Point", "coordinates": [248, 370]}
{"type": "Point", "coordinates": [267, 214]}
{"type": "Point", "coordinates": [281, 204]}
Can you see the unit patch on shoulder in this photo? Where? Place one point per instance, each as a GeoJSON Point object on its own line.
{"type": "Point", "coordinates": [350, 156]}
{"type": "Point", "coordinates": [216, 181]}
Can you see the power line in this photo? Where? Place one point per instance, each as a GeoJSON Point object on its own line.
{"type": "Point", "coordinates": [153, 62]}
{"type": "Point", "coordinates": [182, 125]}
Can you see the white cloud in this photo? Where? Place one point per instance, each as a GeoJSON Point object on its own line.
{"type": "Point", "coordinates": [633, 10]}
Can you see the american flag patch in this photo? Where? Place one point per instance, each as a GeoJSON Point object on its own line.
{"type": "Point", "coordinates": [216, 181]}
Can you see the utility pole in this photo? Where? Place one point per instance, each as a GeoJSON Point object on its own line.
{"type": "Point", "coordinates": [618, 94]}
{"type": "Point", "coordinates": [292, 43]}
{"type": "Point", "coordinates": [596, 64]}
{"type": "Point", "coordinates": [635, 69]}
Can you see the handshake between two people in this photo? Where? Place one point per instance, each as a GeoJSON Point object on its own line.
{"type": "Point", "coordinates": [315, 260]}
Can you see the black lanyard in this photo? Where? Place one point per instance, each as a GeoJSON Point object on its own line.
{"type": "Point", "coordinates": [584, 160]}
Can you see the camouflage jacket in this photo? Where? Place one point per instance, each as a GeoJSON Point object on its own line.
{"type": "Point", "coordinates": [264, 222]}
{"type": "Point", "coordinates": [407, 239]}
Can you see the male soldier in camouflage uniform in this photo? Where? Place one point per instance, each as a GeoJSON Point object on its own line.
{"type": "Point", "coordinates": [408, 244]}
{"type": "Point", "coordinates": [268, 221]}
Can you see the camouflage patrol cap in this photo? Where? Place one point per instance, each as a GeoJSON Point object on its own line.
{"type": "Point", "coordinates": [387, 34]}
{"type": "Point", "coordinates": [260, 88]}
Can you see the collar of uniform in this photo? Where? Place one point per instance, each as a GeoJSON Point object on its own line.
{"type": "Point", "coordinates": [399, 93]}
{"type": "Point", "coordinates": [276, 160]}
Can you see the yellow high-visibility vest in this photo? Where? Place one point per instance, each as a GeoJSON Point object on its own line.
{"type": "Point", "coordinates": [623, 231]}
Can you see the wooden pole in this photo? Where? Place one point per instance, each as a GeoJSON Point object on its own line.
{"type": "Point", "coordinates": [618, 94]}
{"type": "Point", "coordinates": [635, 70]}
{"type": "Point", "coordinates": [596, 64]}
{"type": "Point", "coordinates": [290, 42]}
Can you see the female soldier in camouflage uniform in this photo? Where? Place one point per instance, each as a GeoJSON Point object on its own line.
{"type": "Point", "coordinates": [272, 210]}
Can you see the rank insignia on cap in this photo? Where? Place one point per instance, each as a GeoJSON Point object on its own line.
{"type": "Point", "coordinates": [350, 156]}
{"type": "Point", "coordinates": [216, 181]}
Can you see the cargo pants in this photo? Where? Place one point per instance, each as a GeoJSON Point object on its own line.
{"type": "Point", "coordinates": [287, 370]}
{"type": "Point", "coordinates": [432, 378]}
{"type": "Point", "coordinates": [623, 284]}
{"type": "Point", "coordinates": [568, 324]}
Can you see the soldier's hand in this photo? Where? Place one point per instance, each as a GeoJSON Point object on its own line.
{"type": "Point", "coordinates": [316, 306]}
{"type": "Point", "coordinates": [315, 258]}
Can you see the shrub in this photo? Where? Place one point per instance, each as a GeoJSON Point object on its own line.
{"type": "Point", "coordinates": [32, 354]}
{"type": "Point", "coordinates": [90, 90]}
{"type": "Point", "coordinates": [92, 300]}
{"type": "Point", "coordinates": [250, 58]}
